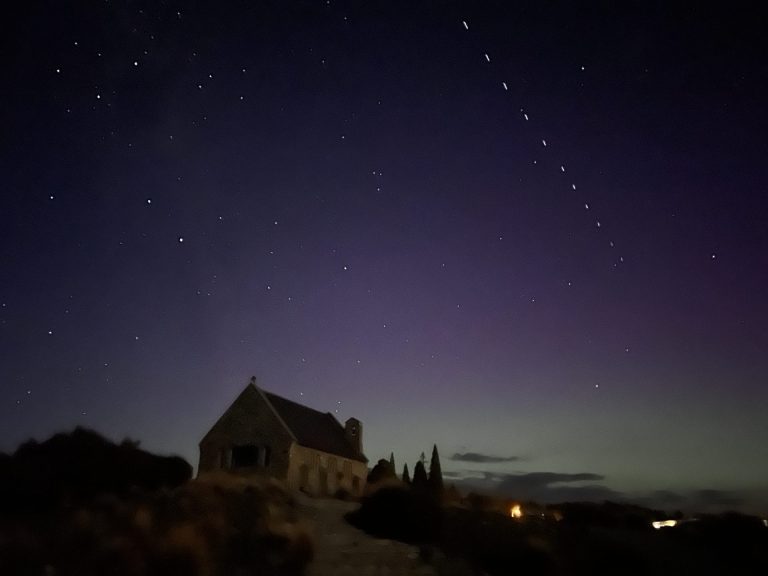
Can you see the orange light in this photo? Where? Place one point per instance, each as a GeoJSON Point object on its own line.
{"type": "Point", "coordinates": [664, 524]}
{"type": "Point", "coordinates": [515, 511]}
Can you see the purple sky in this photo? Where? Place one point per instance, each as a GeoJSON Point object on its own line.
{"type": "Point", "coordinates": [526, 230]}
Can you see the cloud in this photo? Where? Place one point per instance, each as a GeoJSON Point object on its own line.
{"type": "Point", "coordinates": [557, 487]}
{"type": "Point", "coordinates": [547, 478]}
{"type": "Point", "coordinates": [718, 498]}
{"type": "Point", "coordinates": [702, 500]}
{"type": "Point", "coordinates": [544, 487]}
{"type": "Point", "coordinates": [665, 498]}
{"type": "Point", "coordinates": [477, 458]}
{"type": "Point", "coordinates": [454, 474]}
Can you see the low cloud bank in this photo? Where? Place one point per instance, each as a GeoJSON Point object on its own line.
{"type": "Point", "coordinates": [554, 487]}
{"type": "Point", "coordinates": [477, 458]}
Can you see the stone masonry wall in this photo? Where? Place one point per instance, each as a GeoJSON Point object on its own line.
{"type": "Point", "coordinates": [250, 420]}
{"type": "Point", "coordinates": [322, 473]}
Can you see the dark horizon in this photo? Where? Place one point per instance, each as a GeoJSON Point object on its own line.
{"type": "Point", "coordinates": [533, 234]}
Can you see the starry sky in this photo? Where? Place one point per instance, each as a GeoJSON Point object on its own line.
{"type": "Point", "coordinates": [533, 233]}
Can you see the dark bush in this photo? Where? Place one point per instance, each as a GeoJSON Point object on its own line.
{"type": "Point", "coordinates": [216, 526]}
{"type": "Point", "coordinates": [78, 466]}
{"type": "Point", "coordinates": [734, 543]}
{"type": "Point", "coordinates": [611, 515]}
{"type": "Point", "coordinates": [382, 472]}
{"type": "Point", "coordinates": [580, 539]}
{"type": "Point", "coordinates": [343, 494]}
{"type": "Point", "coordinates": [497, 544]}
{"type": "Point", "coordinates": [399, 513]}
{"type": "Point", "coordinates": [479, 502]}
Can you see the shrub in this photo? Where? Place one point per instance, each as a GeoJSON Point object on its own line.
{"type": "Point", "coordinates": [214, 526]}
{"type": "Point", "coordinates": [78, 466]}
{"type": "Point", "coordinates": [399, 513]}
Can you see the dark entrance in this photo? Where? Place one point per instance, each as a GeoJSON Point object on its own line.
{"type": "Point", "coordinates": [245, 456]}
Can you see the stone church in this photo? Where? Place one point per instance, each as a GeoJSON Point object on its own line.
{"type": "Point", "coordinates": [264, 434]}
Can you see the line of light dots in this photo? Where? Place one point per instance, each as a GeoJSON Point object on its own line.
{"type": "Point", "coordinates": [544, 144]}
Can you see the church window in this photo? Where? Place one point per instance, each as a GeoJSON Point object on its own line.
{"type": "Point", "coordinates": [245, 456]}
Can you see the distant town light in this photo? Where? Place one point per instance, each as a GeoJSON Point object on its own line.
{"type": "Point", "coordinates": [515, 511]}
{"type": "Point", "coordinates": [664, 524]}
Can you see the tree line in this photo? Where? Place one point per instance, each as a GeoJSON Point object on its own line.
{"type": "Point", "coordinates": [421, 481]}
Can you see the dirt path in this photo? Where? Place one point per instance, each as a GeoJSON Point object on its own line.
{"type": "Point", "coordinates": [343, 550]}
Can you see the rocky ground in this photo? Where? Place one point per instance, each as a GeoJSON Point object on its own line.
{"type": "Point", "coordinates": [343, 550]}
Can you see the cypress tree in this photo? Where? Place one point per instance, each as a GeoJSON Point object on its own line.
{"type": "Point", "coordinates": [406, 476]}
{"type": "Point", "coordinates": [392, 463]}
{"type": "Point", "coordinates": [435, 473]}
{"type": "Point", "coordinates": [420, 481]}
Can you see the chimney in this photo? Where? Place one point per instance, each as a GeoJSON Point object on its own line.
{"type": "Point", "coordinates": [353, 430]}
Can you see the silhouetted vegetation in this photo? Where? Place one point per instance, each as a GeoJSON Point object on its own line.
{"type": "Point", "coordinates": [420, 482]}
{"type": "Point", "coordinates": [480, 502]}
{"type": "Point", "coordinates": [78, 466]}
{"type": "Point", "coordinates": [497, 544]}
{"type": "Point", "coordinates": [383, 471]}
{"type": "Point", "coordinates": [83, 505]}
{"type": "Point", "coordinates": [609, 515]}
{"type": "Point", "coordinates": [451, 495]}
{"type": "Point", "coordinates": [343, 494]}
{"type": "Point", "coordinates": [435, 480]}
{"type": "Point", "coordinates": [399, 513]}
{"type": "Point", "coordinates": [570, 539]}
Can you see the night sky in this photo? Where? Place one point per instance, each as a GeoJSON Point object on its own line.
{"type": "Point", "coordinates": [534, 233]}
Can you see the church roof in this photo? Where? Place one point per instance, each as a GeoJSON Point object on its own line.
{"type": "Point", "coordinates": [314, 429]}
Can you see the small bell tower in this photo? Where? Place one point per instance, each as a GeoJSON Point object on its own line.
{"type": "Point", "coordinates": [353, 430]}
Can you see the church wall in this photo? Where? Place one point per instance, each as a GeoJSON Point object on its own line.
{"type": "Point", "coordinates": [321, 473]}
{"type": "Point", "coordinates": [250, 421]}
